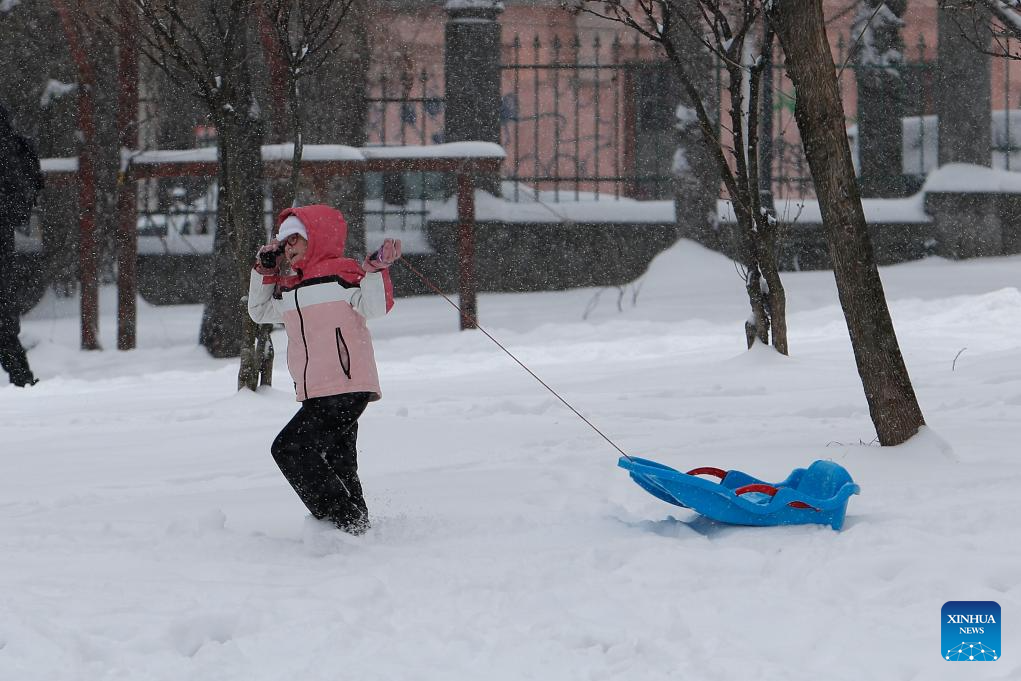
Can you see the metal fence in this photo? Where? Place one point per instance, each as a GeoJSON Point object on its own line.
{"type": "Point", "coordinates": [570, 119]}
{"type": "Point", "coordinates": [1006, 121]}
{"type": "Point", "coordinates": [593, 119]}
{"type": "Point", "coordinates": [912, 101]}
{"type": "Point", "coordinates": [404, 106]}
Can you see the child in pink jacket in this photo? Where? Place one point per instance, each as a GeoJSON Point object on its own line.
{"type": "Point", "coordinates": [323, 300]}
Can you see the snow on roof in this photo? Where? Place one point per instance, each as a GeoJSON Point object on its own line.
{"type": "Point", "coordinates": [446, 150]}
{"type": "Point", "coordinates": [908, 210]}
{"type": "Point", "coordinates": [330, 152]}
{"type": "Point", "coordinates": [968, 178]}
{"type": "Point", "coordinates": [202, 155]}
{"type": "Point", "coordinates": [312, 152]}
{"type": "Point", "coordinates": [489, 208]}
{"type": "Point", "coordinates": [59, 165]}
{"type": "Point", "coordinates": [528, 209]}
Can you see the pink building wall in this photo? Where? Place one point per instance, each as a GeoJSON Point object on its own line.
{"type": "Point", "coordinates": [412, 40]}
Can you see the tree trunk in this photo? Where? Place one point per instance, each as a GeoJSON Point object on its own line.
{"type": "Point", "coordinates": [754, 238]}
{"type": "Point", "coordinates": [760, 160]}
{"type": "Point", "coordinates": [757, 233]}
{"type": "Point", "coordinates": [227, 329]}
{"type": "Point", "coordinates": [820, 117]}
{"type": "Point", "coordinates": [775, 294]}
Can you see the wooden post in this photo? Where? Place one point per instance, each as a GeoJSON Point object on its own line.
{"type": "Point", "coordinates": [127, 206]}
{"type": "Point", "coordinates": [279, 188]}
{"type": "Point", "coordinates": [466, 249]}
{"type": "Point", "coordinates": [87, 244]}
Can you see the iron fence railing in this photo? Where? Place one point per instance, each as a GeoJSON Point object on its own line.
{"type": "Point", "coordinates": [404, 106]}
{"type": "Point", "coordinates": [569, 119]}
{"type": "Point", "coordinates": [592, 119]}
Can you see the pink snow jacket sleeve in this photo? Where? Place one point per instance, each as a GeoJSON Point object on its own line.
{"type": "Point", "coordinates": [329, 348]}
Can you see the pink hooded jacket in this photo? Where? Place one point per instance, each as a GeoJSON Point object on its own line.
{"type": "Point", "coordinates": [323, 308]}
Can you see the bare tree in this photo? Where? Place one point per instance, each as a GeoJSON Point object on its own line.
{"type": "Point", "coordinates": [800, 28]}
{"type": "Point", "coordinates": [209, 42]}
{"type": "Point", "coordinates": [298, 37]}
{"type": "Point", "coordinates": [820, 116]}
{"type": "Point", "coordinates": [204, 46]}
{"type": "Point", "coordinates": [306, 35]}
{"type": "Point", "coordinates": [733, 31]}
{"type": "Point", "coordinates": [988, 25]}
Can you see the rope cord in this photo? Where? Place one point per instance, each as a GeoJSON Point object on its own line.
{"type": "Point", "coordinates": [435, 289]}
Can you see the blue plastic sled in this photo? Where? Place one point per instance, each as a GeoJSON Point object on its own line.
{"type": "Point", "coordinates": [817, 494]}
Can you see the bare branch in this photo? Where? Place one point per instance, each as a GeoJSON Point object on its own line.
{"type": "Point", "coordinates": [165, 42]}
{"type": "Point", "coordinates": [1008, 16]}
{"type": "Point", "coordinates": [616, 12]}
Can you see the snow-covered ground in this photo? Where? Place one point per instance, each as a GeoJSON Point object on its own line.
{"type": "Point", "coordinates": [147, 534]}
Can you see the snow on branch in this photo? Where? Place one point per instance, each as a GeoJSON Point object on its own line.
{"type": "Point", "coordinates": [55, 90]}
{"type": "Point", "coordinates": [879, 44]}
{"type": "Point", "coordinates": [1006, 11]}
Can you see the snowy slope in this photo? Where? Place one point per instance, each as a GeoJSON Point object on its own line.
{"type": "Point", "coordinates": [147, 534]}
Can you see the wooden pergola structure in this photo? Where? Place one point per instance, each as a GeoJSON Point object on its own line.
{"type": "Point", "coordinates": [320, 163]}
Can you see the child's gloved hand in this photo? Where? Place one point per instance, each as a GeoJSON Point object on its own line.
{"type": "Point", "coordinates": [388, 254]}
{"type": "Point", "coordinates": [268, 257]}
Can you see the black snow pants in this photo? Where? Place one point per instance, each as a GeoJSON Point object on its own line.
{"type": "Point", "coordinates": [12, 354]}
{"type": "Point", "coordinates": [316, 453]}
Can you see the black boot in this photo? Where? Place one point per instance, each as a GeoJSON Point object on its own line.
{"type": "Point", "coordinates": [13, 358]}
{"type": "Point", "coordinates": [24, 380]}
{"type": "Point", "coordinates": [350, 518]}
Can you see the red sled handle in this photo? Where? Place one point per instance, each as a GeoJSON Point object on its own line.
{"type": "Point", "coordinates": [709, 470]}
{"type": "Point", "coordinates": [771, 491]}
{"type": "Point", "coordinates": [756, 487]}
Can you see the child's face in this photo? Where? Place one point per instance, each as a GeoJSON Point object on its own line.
{"type": "Point", "coordinates": [294, 248]}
